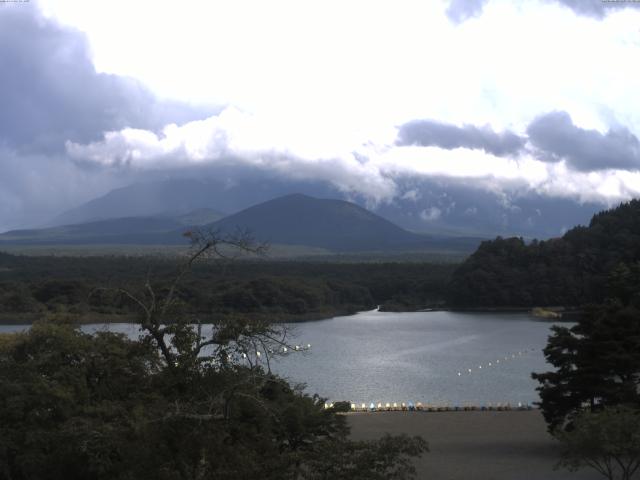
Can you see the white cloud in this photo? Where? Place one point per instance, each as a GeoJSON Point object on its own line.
{"type": "Point", "coordinates": [368, 62]}
{"type": "Point", "coordinates": [430, 214]}
{"type": "Point", "coordinates": [243, 139]}
{"type": "Point", "coordinates": [412, 195]}
{"type": "Point", "coordinates": [316, 90]}
{"type": "Point", "coordinates": [238, 138]}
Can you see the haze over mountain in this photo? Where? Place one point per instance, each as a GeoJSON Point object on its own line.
{"type": "Point", "coordinates": [296, 219]}
{"type": "Point", "coordinates": [431, 206]}
{"type": "Point", "coordinates": [144, 200]}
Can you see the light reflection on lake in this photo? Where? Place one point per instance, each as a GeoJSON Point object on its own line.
{"type": "Point", "coordinates": [386, 357]}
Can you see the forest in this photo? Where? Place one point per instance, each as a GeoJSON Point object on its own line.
{"type": "Point", "coordinates": [586, 265]}
{"type": "Point", "coordinates": [84, 289]}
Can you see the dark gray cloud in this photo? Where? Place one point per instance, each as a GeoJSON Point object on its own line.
{"type": "Point", "coordinates": [50, 91]}
{"type": "Point", "coordinates": [461, 10]}
{"type": "Point", "coordinates": [555, 138]}
{"type": "Point", "coordinates": [431, 133]}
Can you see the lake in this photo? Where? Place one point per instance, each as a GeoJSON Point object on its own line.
{"type": "Point", "coordinates": [428, 357]}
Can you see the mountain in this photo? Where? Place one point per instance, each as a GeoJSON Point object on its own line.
{"type": "Point", "coordinates": [143, 200]}
{"type": "Point", "coordinates": [427, 205]}
{"type": "Point", "coordinates": [185, 195]}
{"type": "Point", "coordinates": [337, 225]}
{"type": "Point", "coordinates": [587, 264]}
{"type": "Point", "coordinates": [200, 216]}
{"type": "Point", "coordinates": [128, 230]}
{"type": "Point", "coordinates": [163, 229]}
{"type": "Point", "coordinates": [297, 219]}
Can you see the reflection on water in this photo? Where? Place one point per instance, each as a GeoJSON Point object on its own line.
{"type": "Point", "coordinates": [380, 357]}
{"type": "Point", "coordinates": [423, 356]}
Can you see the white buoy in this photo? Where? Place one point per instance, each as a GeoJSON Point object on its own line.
{"type": "Point", "coordinates": [284, 349]}
{"type": "Point", "coordinates": [469, 370]}
{"type": "Point", "coordinates": [258, 354]}
{"type": "Point", "coordinates": [459, 374]}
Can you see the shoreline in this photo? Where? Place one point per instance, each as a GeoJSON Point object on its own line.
{"type": "Point", "coordinates": [90, 318]}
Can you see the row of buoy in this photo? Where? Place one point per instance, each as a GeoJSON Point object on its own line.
{"type": "Point", "coordinates": [497, 362]}
{"type": "Point", "coordinates": [420, 407]}
{"type": "Point", "coordinates": [296, 348]}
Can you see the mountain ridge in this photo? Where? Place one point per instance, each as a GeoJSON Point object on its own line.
{"type": "Point", "coordinates": [295, 219]}
{"type": "Point", "coordinates": [431, 205]}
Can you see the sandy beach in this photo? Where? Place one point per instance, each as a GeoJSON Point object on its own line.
{"type": "Point", "coordinates": [504, 445]}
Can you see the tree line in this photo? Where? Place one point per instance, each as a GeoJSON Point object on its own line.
{"type": "Point", "coordinates": [586, 265]}
{"type": "Point", "coordinates": [275, 289]}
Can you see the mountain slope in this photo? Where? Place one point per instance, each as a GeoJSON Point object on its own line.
{"type": "Point", "coordinates": [129, 230]}
{"type": "Point", "coordinates": [142, 200]}
{"type": "Point", "coordinates": [333, 224]}
{"type": "Point", "coordinates": [585, 265]}
{"type": "Point", "coordinates": [429, 205]}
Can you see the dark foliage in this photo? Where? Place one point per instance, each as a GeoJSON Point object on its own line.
{"type": "Point", "coordinates": [588, 264]}
{"type": "Point", "coordinates": [74, 405]}
{"type": "Point", "coordinates": [597, 364]}
{"type": "Point", "coordinates": [276, 290]}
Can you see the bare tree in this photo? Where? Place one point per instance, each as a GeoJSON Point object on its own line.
{"type": "Point", "coordinates": [231, 339]}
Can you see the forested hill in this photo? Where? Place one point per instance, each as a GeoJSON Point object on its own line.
{"type": "Point", "coordinates": [586, 265]}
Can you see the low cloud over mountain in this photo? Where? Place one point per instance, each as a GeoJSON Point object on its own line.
{"type": "Point", "coordinates": [376, 119]}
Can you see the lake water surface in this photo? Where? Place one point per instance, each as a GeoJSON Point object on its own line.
{"type": "Point", "coordinates": [386, 357]}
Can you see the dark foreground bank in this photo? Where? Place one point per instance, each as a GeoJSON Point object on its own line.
{"type": "Point", "coordinates": [474, 445]}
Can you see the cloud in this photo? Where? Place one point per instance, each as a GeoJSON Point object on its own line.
{"type": "Point", "coordinates": [235, 138]}
{"type": "Point", "coordinates": [595, 8]}
{"type": "Point", "coordinates": [430, 214]}
{"type": "Point", "coordinates": [428, 133]}
{"type": "Point", "coordinates": [556, 138]}
{"type": "Point", "coordinates": [558, 159]}
{"type": "Point", "coordinates": [50, 91]}
{"type": "Point", "coordinates": [460, 10]}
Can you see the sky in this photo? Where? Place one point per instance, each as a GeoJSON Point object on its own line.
{"type": "Point", "coordinates": [530, 97]}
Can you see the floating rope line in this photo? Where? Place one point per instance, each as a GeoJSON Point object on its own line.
{"type": "Point", "coordinates": [506, 358]}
